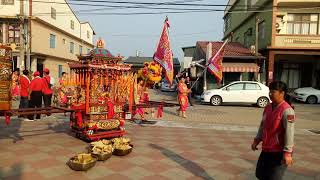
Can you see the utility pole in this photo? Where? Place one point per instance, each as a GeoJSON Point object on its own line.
{"type": "Point", "coordinates": [28, 61]}
{"type": "Point", "coordinates": [21, 20]}
{"type": "Point", "coordinates": [208, 56]}
{"type": "Point", "coordinates": [256, 74]}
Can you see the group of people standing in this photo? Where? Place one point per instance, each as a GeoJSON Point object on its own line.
{"type": "Point", "coordinates": [30, 92]}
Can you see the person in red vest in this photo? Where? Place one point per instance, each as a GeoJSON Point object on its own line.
{"type": "Point", "coordinates": [35, 93]}
{"type": "Point", "coordinates": [47, 92]}
{"type": "Point", "coordinates": [24, 89]}
{"type": "Point", "coordinates": [276, 132]}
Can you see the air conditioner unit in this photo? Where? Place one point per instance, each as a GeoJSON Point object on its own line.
{"type": "Point", "coordinates": [253, 49]}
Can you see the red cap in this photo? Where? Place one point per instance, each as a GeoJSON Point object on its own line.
{"type": "Point", "coordinates": [37, 73]}
{"type": "Point", "coordinates": [46, 70]}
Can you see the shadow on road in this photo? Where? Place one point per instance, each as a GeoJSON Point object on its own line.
{"type": "Point", "coordinates": [11, 131]}
{"type": "Point", "coordinates": [15, 172]}
{"type": "Point", "coordinates": [16, 132]}
{"type": "Point", "coordinates": [190, 166]}
{"type": "Point", "coordinates": [175, 113]}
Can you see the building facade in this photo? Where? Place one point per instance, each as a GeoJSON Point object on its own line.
{"type": "Point", "coordinates": [287, 32]}
{"type": "Point", "coordinates": [239, 64]}
{"type": "Point", "coordinates": [51, 34]}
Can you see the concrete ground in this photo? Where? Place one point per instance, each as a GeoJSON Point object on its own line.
{"type": "Point", "coordinates": [40, 150]}
{"type": "Point", "coordinates": [308, 116]}
{"type": "Point", "coordinates": [212, 143]}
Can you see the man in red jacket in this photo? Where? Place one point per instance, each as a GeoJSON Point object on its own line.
{"type": "Point", "coordinates": [276, 133]}
{"type": "Point", "coordinates": [35, 93]}
{"type": "Point", "coordinates": [24, 89]}
{"type": "Point", "coordinates": [47, 92]}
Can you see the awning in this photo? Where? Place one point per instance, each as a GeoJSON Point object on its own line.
{"type": "Point", "coordinates": [240, 67]}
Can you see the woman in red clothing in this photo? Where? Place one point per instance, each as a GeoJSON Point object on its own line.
{"type": "Point", "coordinates": [276, 133]}
{"type": "Point", "coordinates": [15, 83]}
{"type": "Point", "coordinates": [15, 89]}
{"type": "Point", "coordinates": [183, 92]}
{"type": "Point", "coordinates": [62, 89]}
{"type": "Point", "coordinates": [143, 96]}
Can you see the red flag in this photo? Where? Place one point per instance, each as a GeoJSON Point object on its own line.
{"type": "Point", "coordinates": [163, 55]}
{"type": "Point", "coordinates": [215, 63]}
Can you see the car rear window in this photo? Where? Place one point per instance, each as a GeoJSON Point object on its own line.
{"type": "Point", "coordinates": [252, 86]}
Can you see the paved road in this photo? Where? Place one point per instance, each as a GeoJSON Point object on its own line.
{"type": "Point", "coordinates": [308, 116]}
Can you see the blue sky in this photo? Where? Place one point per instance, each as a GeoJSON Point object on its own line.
{"type": "Point", "coordinates": [126, 34]}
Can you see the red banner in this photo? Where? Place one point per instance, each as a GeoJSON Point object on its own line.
{"type": "Point", "coordinates": [215, 63]}
{"type": "Point", "coordinates": [163, 55]}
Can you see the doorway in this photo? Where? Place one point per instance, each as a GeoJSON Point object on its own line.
{"type": "Point", "coordinates": [40, 66]}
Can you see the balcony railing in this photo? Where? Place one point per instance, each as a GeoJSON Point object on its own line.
{"type": "Point", "coordinates": [304, 41]}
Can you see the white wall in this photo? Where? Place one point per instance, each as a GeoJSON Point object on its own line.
{"type": "Point", "coordinates": [10, 10]}
{"type": "Point", "coordinates": [84, 28]}
{"type": "Point", "coordinates": [64, 15]}
{"type": "Point", "coordinates": [187, 62]}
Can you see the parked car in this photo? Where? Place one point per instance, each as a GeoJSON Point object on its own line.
{"type": "Point", "coordinates": [165, 86]}
{"type": "Point", "coordinates": [250, 92]}
{"type": "Point", "coordinates": [308, 94]}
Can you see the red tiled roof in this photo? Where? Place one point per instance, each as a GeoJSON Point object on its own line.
{"type": "Point", "coordinates": [231, 49]}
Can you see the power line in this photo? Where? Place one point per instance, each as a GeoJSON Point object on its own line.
{"type": "Point", "coordinates": [177, 10]}
{"type": "Point", "coordinates": [154, 35]}
{"type": "Point", "coordinates": [170, 12]}
{"type": "Point", "coordinates": [117, 8]}
{"type": "Point", "coordinates": [137, 13]}
{"type": "Point", "coordinates": [174, 3]}
{"type": "Point", "coordinates": [105, 3]}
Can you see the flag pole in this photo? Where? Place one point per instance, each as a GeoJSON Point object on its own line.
{"type": "Point", "coordinates": [224, 43]}
{"type": "Point", "coordinates": [206, 67]}
{"type": "Point", "coordinates": [199, 77]}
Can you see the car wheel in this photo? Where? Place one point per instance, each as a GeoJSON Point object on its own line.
{"type": "Point", "coordinates": [215, 100]}
{"type": "Point", "coordinates": [262, 102]}
{"type": "Point", "coordinates": [312, 100]}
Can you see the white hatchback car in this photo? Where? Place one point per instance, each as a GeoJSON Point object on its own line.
{"type": "Point", "coordinates": [309, 95]}
{"type": "Point", "coordinates": [250, 92]}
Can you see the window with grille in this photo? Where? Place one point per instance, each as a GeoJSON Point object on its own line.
{"type": "Point", "coordinates": [60, 70]}
{"type": "Point", "coordinates": [14, 33]}
{"type": "Point", "coordinates": [72, 24]}
{"type": "Point", "coordinates": [306, 24]}
{"type": "Point", "coordinates": [7, 2]}
{"type": "Point", "coordinates": [80, 49]}
{"type": "Point", "coordinates": [261, 30]}
{"type": "Point", "coordinates": [1, 34]}
{"type": "Point", "coordinates": [71, 47]}
{"type": "Point", "coordinates": [246, 39]}
{"type": "Point", "coordinates": [248, 4]}
{"type": "Point", "coordinates": [53, 13]}
{"type": "Point", "coordinates": [52, 41]}
{"type": "Point", "coordinates": [227, 22]}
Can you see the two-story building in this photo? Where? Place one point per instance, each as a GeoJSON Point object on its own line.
{"type": "Point", "coordinates": [239, 64]}
{"type": "Point", "coordinates": [287, 32]}
{"type": "Point", "coordinates": [52, 33]}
